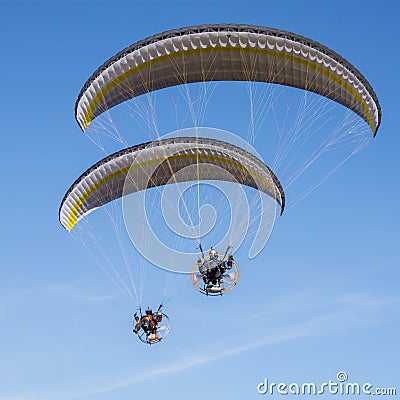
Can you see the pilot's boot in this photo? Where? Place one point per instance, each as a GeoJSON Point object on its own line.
{"type": "Point", "coordinates": [214, 289]}
{"type": "Point", "coordinates": [152, 336]}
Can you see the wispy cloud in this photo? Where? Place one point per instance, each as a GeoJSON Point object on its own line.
{"type": "Point", "coordinates": [346, 312]}
{"type": "Point", "coordinates": [171, 368]}
{"type": "Point", "coordinates": [73, 292]}
{"type": "Point", "coordinates": [13, 299]}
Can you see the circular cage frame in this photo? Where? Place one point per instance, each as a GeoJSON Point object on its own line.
{"type": "Point", "coordinates": [227, 284]}
{"type": "Point", "coordinates": [161, 333]}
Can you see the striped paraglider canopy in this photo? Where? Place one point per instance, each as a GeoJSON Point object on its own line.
{"type": "Point", "coordinates": [226, 52]}
{"type": "Point", "coordinates": [164, 162]}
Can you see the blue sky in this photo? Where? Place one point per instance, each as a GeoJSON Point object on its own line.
{"type": "Point", "coordinates": [323, 297]}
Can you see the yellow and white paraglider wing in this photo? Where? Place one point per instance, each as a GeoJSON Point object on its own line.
{"type": "Point", "coordinates": [226, 53]}
{"type": "Point", "coordinates": [155, 163]}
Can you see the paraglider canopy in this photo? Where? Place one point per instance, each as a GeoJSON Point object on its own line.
{"type": "Point", "coordinates": [222, 52]}
{"type": "Point", "coordinates": [155, 163]}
